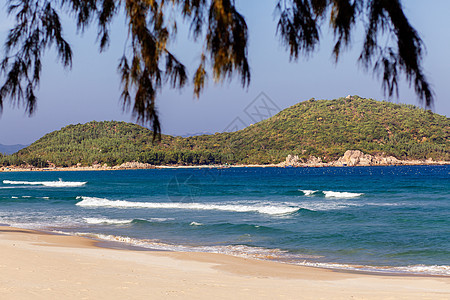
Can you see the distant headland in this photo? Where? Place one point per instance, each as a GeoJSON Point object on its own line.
{"type": "Point", "coordinates": [350, 131]}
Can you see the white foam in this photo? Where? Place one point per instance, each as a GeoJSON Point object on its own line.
{"type": "Point", "coordinates": [422, 269]}
{"type": "Point", "coordinates": [268, 254]}
{"type": "Point", "coordinates": [96, 221]}
{"type": "Point", "coordinates": [159, 219]}
{"type": "Point", "coordinates": [273, 254]}
{"type": "Point", "coordinates": [263, 209]}
{"type": "Point", "coordinates": [59, 183]}
{"type": "Point", "coordinates": [123, 221]}
{"type": "Point", "coordinates": [328, 205]}
{"type": "Point", "coordinates": [14, 197]}
{"type": "Point", "coordinates": [44, 222]}
{"type": "Point", "coordinates": [308, 192]}
{"type": "Point", "coordinates": [331, 194]}
{"type": "Point", "coordinates": [196, 224]}
{"type": "Point", "coordinates": [235, 250]}
{"type": "Point", "coordinates": [413, 269]}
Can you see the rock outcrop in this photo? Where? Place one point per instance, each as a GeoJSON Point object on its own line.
{"type": "Point", "coordinates": [134, 165]}
{"type": "Point", "coordinates": [353, 158]}
{"type": "Point", "coordinates": [358, 158]}
{"type": "Point", "coordinates": [295, 161]}
{"type": "Point", "coordinates": [291, 160]}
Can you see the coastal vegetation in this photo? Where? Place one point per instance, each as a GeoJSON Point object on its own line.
{"type": "Point", "coordinates": [321, 128]}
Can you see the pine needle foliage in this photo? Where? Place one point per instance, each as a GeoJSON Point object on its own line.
{"type": "Point", "coordinates": [148, 64]}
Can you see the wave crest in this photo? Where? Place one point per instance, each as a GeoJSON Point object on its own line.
{"type": "Point", "coordinates": [331, 194]}
{"type": "Point", "coordinates": [193, 223]}
{"type": "Point", "coordinates": [96, 221]}
{"type": "Point", "coordinates": [58, 183]}
{"type": "Point", "coordinates": [308, 192]}
{"type": "Point", "coordinates": [263, 209]}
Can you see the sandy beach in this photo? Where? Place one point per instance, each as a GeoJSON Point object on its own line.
{"type": "Point", "coordinates": [37, 265]}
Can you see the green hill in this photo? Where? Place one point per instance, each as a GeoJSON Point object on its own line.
{"type": "Point", "coordinates": [324, 128]}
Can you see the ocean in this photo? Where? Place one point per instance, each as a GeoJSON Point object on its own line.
{"type": "Point", "coordinates": [373, 219]}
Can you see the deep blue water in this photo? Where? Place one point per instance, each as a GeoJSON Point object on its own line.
{"type": "Point", "coordinates": [391, 219]}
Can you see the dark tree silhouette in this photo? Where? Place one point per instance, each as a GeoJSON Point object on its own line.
{"type": "Point", "coordinates": [148, 64]}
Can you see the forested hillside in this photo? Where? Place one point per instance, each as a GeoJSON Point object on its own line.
{"type": "Point", "coordinates": [324, 128]}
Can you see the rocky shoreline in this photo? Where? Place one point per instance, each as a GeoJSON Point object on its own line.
{"type": "Point", "coordinates": [95, 167]}
{"type": "Point", "coordinates": [356, 158]}
{"type": "Point", "coordinates": [351, 158]}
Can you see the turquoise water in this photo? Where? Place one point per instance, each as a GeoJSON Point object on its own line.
{"type": "Point", "coordinates": [380, 219]}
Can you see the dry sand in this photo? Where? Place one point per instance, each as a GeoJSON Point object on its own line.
{"type": "Point", "coordinates": [36, 265]}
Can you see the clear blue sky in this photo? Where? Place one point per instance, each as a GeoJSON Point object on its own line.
{"type": "Point", "coordinates": [90, 91]}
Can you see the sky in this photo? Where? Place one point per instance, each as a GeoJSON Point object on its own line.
{"type": "Point", "coordinates": [91, 89]}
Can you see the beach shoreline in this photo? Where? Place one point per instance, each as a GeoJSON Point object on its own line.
{"type": "Point", "coordinates": [44, 265]}
{"type": "Point", "coordinates": [306, 165]}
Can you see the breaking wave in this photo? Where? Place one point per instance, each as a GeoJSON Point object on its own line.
{"type": "Point", "coordinates": [308, 192]}
{"type": "Point", "coordinates": [195, 224]}
{"type": "Point", "coordinates": [440, 270]}
{"type": "Point", "coordinates": [105, 221]}
{"type": "Point", "coordinates": [331, 194]}
{"type": "Point", "coordinates": [234, 250]}
{"type": "Point", "coordinates": [263, 209]}
{"type": "Point", "coordinates": [58, 183]}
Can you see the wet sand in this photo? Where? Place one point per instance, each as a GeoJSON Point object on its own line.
{"type": "Point", "coordinates": [37, 265]}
